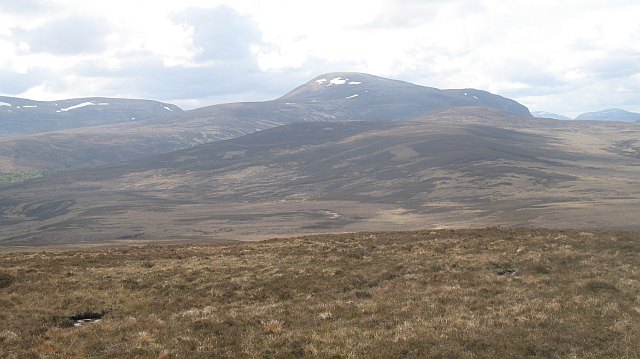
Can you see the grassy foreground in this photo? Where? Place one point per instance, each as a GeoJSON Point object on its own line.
{"type": "Point", "coordinates": [495, 293]}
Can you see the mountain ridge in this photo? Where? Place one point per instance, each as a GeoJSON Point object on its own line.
{"type": "Point", "coordinates": [20, 116]}
{"type": "Point", "coordinates": [379, 91]}
{"type": "Point", "coordinates": [610, 114]}
{"type": "Point", "coordinates": [378, 99]}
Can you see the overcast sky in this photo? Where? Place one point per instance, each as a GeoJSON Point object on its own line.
{"type": "Point", "coordinates": [568, 56]}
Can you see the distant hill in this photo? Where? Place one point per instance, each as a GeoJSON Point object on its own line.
{"type": "Point", "coordinates": [20, 116]}
{"type": "Point", "coordinates": [327, 98]}
{"type": "Point", "coordinates": [612, 114]}
{"type": "Point", "coordinates": [544, 114]}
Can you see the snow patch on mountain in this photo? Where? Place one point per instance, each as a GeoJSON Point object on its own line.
{"type": "Point", "coordinates": [5, 104]}
{"type": "Point", "coordinates": [167, 108]}
{"type": "Point", "coordinates": [337, 81]}
{"type": "Point", "coordinates": [84, 104]}
{"type": "Point", "coordinates": [352, 96]}
{"type": "Point", "coordinates": [355, 83]}
{"type": "Point", "coordinates": [321, 81]}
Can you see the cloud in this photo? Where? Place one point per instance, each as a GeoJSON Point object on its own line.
{"type": "Point", "coordinates": [144, 75]}
{"type": "Point", "coordinates": [221, 34]}
{"type": "Point", "coordinates": [15, 83]}
{"type": "Point", "coordinates": [414, 13]}
{"type": "Point", "coordinates": [565, 57]}
{"type": "Point", "coordinates": [222, 67]}
{"type": "Point", "coordinates": [615, 66]}
{"type": "Point", "coordinates": [26, 6]}
{"type": "Point", "coordinates": [147, 74]}
{"type": "Point", "coordinates": [67, 36]}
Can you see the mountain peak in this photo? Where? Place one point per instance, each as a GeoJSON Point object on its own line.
{"type": "Point", "coordinates": [339, 85]}
{"type": "Point", "coordinates": [369, 94]}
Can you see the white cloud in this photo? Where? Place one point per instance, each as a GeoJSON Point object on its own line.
{"type": "Point", "coordinates": [568, 57]}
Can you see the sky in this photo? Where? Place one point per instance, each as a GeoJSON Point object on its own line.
{"type": "Point", "coordinates": [567, 57]}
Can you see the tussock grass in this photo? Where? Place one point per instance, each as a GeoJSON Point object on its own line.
{"type": "Point", "coordinates": [491, 293]}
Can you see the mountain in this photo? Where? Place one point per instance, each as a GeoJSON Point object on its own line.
{"type": "Point", "coordinates": [612, 114]}
{"type": "Point", "coordinates": [466, 166]}
{"type": "Point", "coordinates": [376, 98]}
{"type": "Point", "coordinates": [20, 116]}
{"type": "Point", "coordinates": [327, 98]}
{"type": "Point", "coordinates": [544, 114]}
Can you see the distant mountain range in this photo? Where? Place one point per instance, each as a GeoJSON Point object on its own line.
{"type": "Point", "coordinates": [544, 114]}
{"type": "Point", "coordinates": [20, 116]}
{"type": "Point", "coordinates": [343, 152]}
{"type": "Point", "coordinates": [612, 114]}
{"type": "Point", "coordinates": [328, 98]}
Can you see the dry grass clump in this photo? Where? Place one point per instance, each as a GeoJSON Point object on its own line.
{"type": "Point", "coordinates": [466, 294]}
{"type": "Point", "coordinates": [6, 280]}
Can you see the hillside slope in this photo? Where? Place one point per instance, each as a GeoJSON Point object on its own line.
{"type": "Point", "coordinates": [458, 167]}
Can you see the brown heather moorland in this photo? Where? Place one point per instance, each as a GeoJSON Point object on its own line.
{"type": "Point", "coordinates": [483, 293]}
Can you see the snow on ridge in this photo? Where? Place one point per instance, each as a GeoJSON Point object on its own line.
{"type": "Point", "coordinates": [5, 104]}
{"type": "Point", "coordinates": [29, 106]}
{"type": "Point", "coordinates": [352, 96]}
{"type": "Point", "coordinates": [476, 97]}
{"type": "Point", "coordinates": [337, 81]}
{"type": "Point", "coordinates": [321, 81]}
{"type": "Point", "coordinates": [355, 83]}
{"type": "Point", "coordinates": [167, 108]}
{"type": "Point", "coordinates": [84, 104]}
{"type": "Point", "coordinates": [103, 104]}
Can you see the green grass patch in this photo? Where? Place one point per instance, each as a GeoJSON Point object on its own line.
{"type": "Point", "coordinates": [9, 178]}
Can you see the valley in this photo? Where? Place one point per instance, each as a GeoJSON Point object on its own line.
{"type": "Point", "coordinates": [461, 167]}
